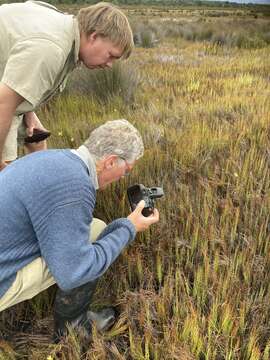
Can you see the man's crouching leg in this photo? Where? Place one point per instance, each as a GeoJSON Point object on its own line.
{"type": "Point", "coordinates": [71, 307]}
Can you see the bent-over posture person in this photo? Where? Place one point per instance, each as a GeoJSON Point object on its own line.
{"type": "Point", "coordinates": [47, 216]}
{"type": "Point", "coordinates": [39, 47]}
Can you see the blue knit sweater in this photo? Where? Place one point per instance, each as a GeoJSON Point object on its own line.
{"type": "Point", "coordinates": [46, 205]}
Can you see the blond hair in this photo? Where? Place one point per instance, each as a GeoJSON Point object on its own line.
{"type": "Point", "coordinates": [107, 20]}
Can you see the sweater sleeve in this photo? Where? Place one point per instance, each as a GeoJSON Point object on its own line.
{"type": "Point", "coordinates": [64, 242]}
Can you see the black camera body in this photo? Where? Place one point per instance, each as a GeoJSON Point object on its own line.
{"type": "Point", "coordinates": [139, 192]}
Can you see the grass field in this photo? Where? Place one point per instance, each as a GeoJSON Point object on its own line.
{"type": "Point", "coordinates": [196, 285]}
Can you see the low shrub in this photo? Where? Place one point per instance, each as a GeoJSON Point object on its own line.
{"type": "Point", "coordinates": [145, 37]}
{"type": "Point", "coordinates": [146, 33]}
{"type": "Point", "coordinates": [122, 81]}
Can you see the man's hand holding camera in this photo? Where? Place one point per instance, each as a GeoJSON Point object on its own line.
{"type": "Point", "coordinates": [141, 222]}
{"type": "Point", "coordinates": [141, 200]}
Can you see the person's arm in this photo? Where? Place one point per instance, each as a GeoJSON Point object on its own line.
{"type": "Point", "coordinates": [30, 82]}
{"type": "Point", "coordinates": [64, 242]}
{"type": "Point", "coordinates": [9, 100]}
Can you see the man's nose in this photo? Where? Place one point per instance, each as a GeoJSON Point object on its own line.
{"type": "Point", "coordinates": [109, 64]}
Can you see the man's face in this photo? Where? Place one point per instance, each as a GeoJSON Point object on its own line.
{"type": "Point", "coordinates": [113, 170]}
{"type": "Point", "coordinates": [98, 52]}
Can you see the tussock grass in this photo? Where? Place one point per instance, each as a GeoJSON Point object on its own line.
{"type": "Point", "coordinates": [103, 85]}
{"type": "Point", "coordinates": [144, 34]}
{"type": "Point", "coordinates": [195, 286]}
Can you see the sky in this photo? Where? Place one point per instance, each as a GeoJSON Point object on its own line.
{"type": "Point", "coordinates": [247, 1]}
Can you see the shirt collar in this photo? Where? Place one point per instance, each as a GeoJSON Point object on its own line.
{"type": "Point", "coordinates": [77, 40]}
{"type": "Point", "coordinates": [89, 161]}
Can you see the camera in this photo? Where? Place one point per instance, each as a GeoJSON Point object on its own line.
{"type": "Point", "coordinates": [139, 192]}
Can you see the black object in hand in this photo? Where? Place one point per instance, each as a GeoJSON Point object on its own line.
{"type": "Point", "coordinates": [139, 192]}
{"type": "Point", "coordinates": [38, 135]}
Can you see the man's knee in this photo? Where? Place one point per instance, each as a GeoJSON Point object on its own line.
{"type": "Point", "coordinates": [96, 228]}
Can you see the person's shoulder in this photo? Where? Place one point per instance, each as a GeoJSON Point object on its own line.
{"type": "Point", "coordinates": [54, 163]}
{"type": "Point", "coordinates": [65, 157]}
{"type": "Point", "coordinates": [61, 157]}
{"type": "Point", "coordinates": [56, 166]}
{"type": "Point", "coordinates": [50, 24]}
{"type": "Point", "coordinates": [45, 158]}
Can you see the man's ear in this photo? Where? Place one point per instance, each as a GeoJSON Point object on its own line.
{"type": "Point", "coordinates": [110, 162]}
{"type": "Point", "coordinates": [92, 37]}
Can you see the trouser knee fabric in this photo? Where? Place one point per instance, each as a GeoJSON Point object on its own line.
{"type": "Point", "coordinates": [36, 277]}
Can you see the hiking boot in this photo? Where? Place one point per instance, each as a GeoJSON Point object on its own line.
{"type": "Point", "coordinates": [103, 319]}
{"type": "Point", "coordinates": [71, 309]}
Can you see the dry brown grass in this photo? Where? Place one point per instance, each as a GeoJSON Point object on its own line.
{"type": "Point", "coordinates": [196, 285]}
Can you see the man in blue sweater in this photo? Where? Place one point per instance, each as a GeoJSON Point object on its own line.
{"type": "Point", "coordinates": [47, 216]}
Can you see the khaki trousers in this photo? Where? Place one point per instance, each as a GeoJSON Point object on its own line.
{"type": "Point", "coordinates": [36, 277]}
{"type": "Point", "coordinates": [15, 137]}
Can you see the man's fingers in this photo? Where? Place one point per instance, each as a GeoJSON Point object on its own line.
{"type": "Point", "coordinates": [141, 222]}
{"type": "Point", "coordinates": [32, 122]}
{"type": "Point", "coordinates": [154, 217]}
{"type": "Point", "coordinates": [140, 206]}
{"type": "Point", "coordinates": [156, 213]}
{"type": "Point", "coordinates": [2, 165]}
{"type": "Point", "coordinates": [30, 130]}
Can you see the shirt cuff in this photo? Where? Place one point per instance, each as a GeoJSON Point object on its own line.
{"type": "Point", "coordinates": [116, 224]}
{"type": "Point", "coordinates": [128, 224]}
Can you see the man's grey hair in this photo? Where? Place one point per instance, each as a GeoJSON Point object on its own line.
{"type": "Point", "coordinates": [116, 137]}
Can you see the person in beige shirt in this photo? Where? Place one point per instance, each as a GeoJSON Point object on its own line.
{"type": "Point", "coordinates": [39, 47]}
